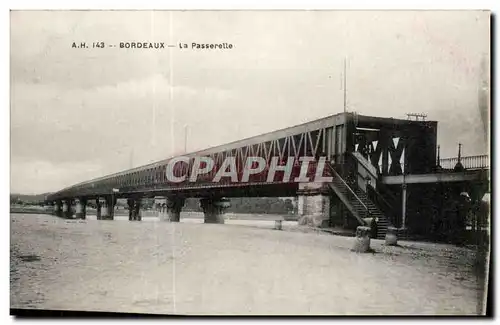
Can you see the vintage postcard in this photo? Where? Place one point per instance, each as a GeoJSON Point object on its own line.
{"type": "Point", "coordinates": [301, 162]}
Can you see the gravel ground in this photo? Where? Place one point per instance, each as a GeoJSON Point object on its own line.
{"type": "Point", "coordinates": [242, 267]}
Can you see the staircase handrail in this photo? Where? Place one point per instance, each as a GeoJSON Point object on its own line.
{"type": "Point", "coordinates": [349, 188]}
{"type": "Point", "coordinates": [372, 170]}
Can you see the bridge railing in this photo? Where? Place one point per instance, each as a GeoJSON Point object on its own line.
{"type": "Point", "coordinates": [469, 162]}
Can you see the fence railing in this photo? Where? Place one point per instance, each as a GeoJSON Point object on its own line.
{"type": "Point", "coordinates": [469, 162]}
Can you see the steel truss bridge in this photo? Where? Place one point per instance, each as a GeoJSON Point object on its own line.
{"type": "Point", "coordinates": [366, 157]}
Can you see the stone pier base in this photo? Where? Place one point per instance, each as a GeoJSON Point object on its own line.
{"type": "Point", "coordinates": [313, 205]}
{"type": "Point", "coordinates": [98, 210]}
{"type": "Point", "coordinates": [214, 209]}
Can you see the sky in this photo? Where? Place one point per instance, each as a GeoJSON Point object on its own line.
{"type": "Point", "coordinates": [81, 113]}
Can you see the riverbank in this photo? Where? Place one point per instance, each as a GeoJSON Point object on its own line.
{"type": "Point", "coordinates": [195, 268]}
{"type": "Point", "coordinates": [30, 209]}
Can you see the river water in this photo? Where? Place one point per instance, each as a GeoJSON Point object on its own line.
{"type": "Point", "coordinates": [242, 267]}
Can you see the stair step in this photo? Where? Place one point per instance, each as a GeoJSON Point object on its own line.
{"type": "Point", "coordinates": [361, 204]}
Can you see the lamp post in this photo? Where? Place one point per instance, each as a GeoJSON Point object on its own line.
{"type": "Point", "coordinates": [404, 194]}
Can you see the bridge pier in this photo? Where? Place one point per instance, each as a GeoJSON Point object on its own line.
{"type": "Point", "coordinates": [214, 209]}
{"type": "Point", "coordinates": [130, 203]}
{"type": "Point", "coordinates": [81, 208]}
{"type": "Point", "coordinates": [174, 206]}
{"type": "Point", "coordinates": [137, 209]}
{"type": "Point", "coordinates": [313, 205]}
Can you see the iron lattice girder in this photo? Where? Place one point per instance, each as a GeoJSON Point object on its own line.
{"type": "Point", "coordinates": [383, 148]}
{"type": "Point", "coordinates": [308, 144]}
{"type": "Point", "coordinates": [389, 150]}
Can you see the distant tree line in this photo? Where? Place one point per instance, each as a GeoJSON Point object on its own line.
{"type": "Point", "coordinates": [26, 200]}
{"type": "Point", "coordinates": [270, 205]}
{"type": "Point", "coordinates": [262, 205]}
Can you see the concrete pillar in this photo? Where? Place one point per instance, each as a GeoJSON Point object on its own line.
{"type": "Point", "coordinates": [136, 213]}
{"type": "Point", "coordinates": [316, 211]}
{"type": "Point", "coordinates": [112, 204]}
{"type": "Point", "coordinates": [131, 203]}
{"type": "Point", "coordinates": [98, 211]}
{"type": "Point", "coordinates": [174, 206]}
{"type": "Point", "coordinates": [314, 205]}
{"type": "Point", "coordinates": [362, 240]}
{"type": "Point", "coordinates": [81, 208]}
{"type": "Point", "coordinates": [214, 209]}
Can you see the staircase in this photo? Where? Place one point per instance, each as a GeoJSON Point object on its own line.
{"type": "Point", "coordinates": [382, 221]}
{"type": "Point", "coordinates": [358, 203]}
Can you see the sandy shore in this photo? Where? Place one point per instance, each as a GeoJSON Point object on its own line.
{"type": "Point", "coordinates": [195, 268]}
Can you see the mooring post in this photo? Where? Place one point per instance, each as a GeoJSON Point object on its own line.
{"type": "Point", "coordinates": [362, 240]}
